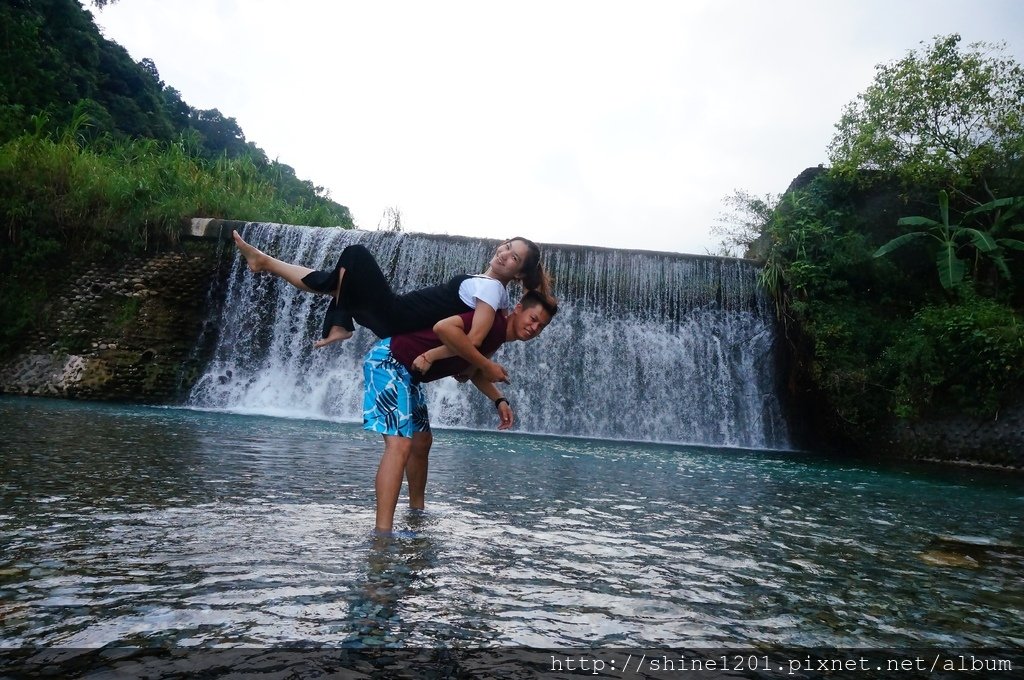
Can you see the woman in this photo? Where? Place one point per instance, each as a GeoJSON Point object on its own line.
{"type": "Point", "coordinates": [361, 293]}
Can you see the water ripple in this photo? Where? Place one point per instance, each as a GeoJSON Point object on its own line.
{"type": "Point", "coordinates": [155, 526]}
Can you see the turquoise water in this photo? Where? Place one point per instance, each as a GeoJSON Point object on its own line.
{"type": "Point", "coordinates": [150, 526]}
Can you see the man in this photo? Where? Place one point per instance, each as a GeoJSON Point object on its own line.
{"type": "Point", "coordinates": [394, 402]}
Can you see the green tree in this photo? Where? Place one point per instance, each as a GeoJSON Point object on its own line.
{"type": "Point", "coordinates": [220, 133]}
{"type": "Point", "coordinates": [128, 163]}
{"type": "Point", "coordinates": [742, 223]}
{"type": "Point", "coordinates": [941, 115]}
{"type": "Point", "coordinates": [52, 57]}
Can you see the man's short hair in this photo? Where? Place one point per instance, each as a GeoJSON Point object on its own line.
{"type": "Point", "coordinates": [533, 298]}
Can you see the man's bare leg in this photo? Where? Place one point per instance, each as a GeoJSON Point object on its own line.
{"type": "Point", "coordinates": [388, 483]}
{"type": "Point", "coordinates": [416, 468]}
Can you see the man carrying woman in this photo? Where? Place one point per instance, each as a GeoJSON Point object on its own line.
{"type": "Point", "coordinates": [435, 332]}
{"type": "Point", "coordinates": [360, 291]}
{"type": "Point", "coordinates": [394, 402]}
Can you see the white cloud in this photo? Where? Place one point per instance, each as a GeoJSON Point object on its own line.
{"type": "Point", "coordinates": [600, 123]}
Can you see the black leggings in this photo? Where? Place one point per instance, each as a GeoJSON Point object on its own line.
{"type": "Point", "coordinates": [366, 298]}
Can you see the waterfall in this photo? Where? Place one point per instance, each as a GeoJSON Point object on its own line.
{"type": "Point", "coordinates": [646, 346]}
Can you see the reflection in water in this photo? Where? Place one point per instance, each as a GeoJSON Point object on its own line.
{"type": "Point", "coordinates": [144, 526]}
{"type": "Point", "coordinates": [397, 567]}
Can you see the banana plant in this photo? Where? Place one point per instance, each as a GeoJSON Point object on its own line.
{"type": "Point", "coordinates": [952, 237]}
{"type": "Point", "coordinates": [1005, 220]}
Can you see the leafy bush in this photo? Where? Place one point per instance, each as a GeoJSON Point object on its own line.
{"type": "Point", "coordinates": [963, 357]}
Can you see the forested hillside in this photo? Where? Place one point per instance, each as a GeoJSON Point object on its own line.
{"type": "Point", "coordinates": [99, 158]}
{"type": "Point", "coordinates": [56, 63]}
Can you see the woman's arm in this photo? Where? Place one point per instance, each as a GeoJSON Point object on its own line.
{"type": "Point", "coordinates": [483, 319]}
{"type": "Point", "coordinates": [452, 333]}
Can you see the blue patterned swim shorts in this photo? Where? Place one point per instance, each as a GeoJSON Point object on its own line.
{"type": "Point", "coordinates": [392, 403]}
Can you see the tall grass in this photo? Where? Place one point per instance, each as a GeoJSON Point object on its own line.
{"type": "Point", "coordinates": [138, 193]}
{"type": "Point", "coordinates": [63, 199]}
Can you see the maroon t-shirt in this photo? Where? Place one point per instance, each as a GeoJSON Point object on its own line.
{"type": "Point", "coordinates": [407, 346]}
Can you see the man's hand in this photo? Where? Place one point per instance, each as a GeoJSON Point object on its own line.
{"type": "Point", "coordinates": [493, 372]}
{"type": "Point", "coordinates": [505, 416]}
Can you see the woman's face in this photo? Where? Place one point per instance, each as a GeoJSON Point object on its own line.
{"type": "Point", "coordinates": [509, 258]}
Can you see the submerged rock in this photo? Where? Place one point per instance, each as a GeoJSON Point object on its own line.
{"type": "Point", "coordinates": [940, 558]}
{"type": "Point", "coordinates": [971, 551]}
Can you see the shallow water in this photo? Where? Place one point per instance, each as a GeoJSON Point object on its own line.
{"type": "Point", "coordinates": [151, 526]}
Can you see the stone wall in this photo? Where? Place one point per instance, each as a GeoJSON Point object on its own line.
{"type": "Point", "coordinates": [125, 332]}
{"type": "Point", "coordinates": [996, 442]}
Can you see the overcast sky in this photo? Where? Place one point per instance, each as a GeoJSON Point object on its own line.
{"type": "Point", "coordinates": [620, 124]}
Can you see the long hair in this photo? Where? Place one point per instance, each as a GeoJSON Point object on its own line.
{"type": "Point", "coordinates": [532, 273]}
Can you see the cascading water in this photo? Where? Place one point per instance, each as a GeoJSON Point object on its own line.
{"type": "Point", "coordinates": [646, 346]}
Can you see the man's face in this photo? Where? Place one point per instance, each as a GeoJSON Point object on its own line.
{"type": "Point", "coordinates": [528, 322]}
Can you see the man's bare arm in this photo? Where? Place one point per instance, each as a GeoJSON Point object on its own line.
{"type": "Point", "coordinates": [452, 333]}
{"type": "Point", "coordinates": [491, 391]}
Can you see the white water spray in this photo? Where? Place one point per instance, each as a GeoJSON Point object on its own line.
{"type": "Point", "coordinates": [646, 346]}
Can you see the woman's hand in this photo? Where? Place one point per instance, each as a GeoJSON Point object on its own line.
{"type": "Point", "coordinates": [421, 364]}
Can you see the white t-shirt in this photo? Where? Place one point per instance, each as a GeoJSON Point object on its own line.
{"type": "Point", "coordinates": [480, 287]}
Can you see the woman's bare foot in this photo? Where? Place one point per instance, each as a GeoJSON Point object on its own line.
{"type": "Point", "coordinates": [336, 334]}
{"type": "Point", "coordinates": [255, 258]}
